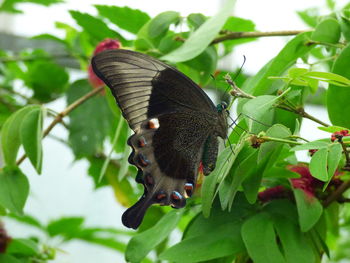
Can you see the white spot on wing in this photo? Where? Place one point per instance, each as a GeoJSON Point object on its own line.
{"type": "Point", "coordinates": [153, 123]}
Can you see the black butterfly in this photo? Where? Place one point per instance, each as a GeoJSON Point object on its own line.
{"type": "Point", "coordinates": [176, 126]}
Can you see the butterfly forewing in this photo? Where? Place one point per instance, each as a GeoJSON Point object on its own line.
{"type": "Point", "coordinates": [172, 119]}
{"type": "Point", "coordinates": [133, 77]}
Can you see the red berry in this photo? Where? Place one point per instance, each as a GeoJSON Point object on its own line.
{"type": "Point", "coordinates": [4, 239]}
{"type": "Point", "coordinates": [312, 151]}
{"type": "Point", "coordinates": [269, 194]}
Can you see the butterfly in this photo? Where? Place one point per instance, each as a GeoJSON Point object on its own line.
{"type": "Point", "coordinates": [176, 127]}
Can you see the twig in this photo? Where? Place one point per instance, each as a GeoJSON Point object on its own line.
{"type": "Point", "coordinates": [346, 153]}
{"type": "Point", "coordinates": [272, 139]}
{"type": "Point", "coordinates": [298, 137]}
{"type": "Point", "coordinates": [237, 92]}
{"type": "Point", "coordinates": [337, 45]}
{"type": "Point", "coordinates": [229, 35]}
{"type": "Point", "coordinates": [306, 115]}
{"type": "Point", "coordinates": [337, 193]}
{"type": "Point", "coordinates": [238, 35]}
{"type": "Point", "coordinates": [64, 113]}
{"type": "Point", "coordinates": [343, 200]}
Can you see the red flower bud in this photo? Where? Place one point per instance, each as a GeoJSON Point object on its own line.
{"type": "Point", "coordinates": [306, 182]}
{"type": "Point", "coordinates": [272, 193]}
{"type": "Point", "coordinates": [312, 151]}
{"type": "Point", "coordinates": [104, 45]}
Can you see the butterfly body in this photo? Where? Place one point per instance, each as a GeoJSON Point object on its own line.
{"type": "Point", "coordinates": [175, 123]}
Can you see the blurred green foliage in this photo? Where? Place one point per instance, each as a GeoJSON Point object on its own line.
{"type": "Point", "coordinates": [241, 214]}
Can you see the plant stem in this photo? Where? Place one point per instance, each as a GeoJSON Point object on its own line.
{"type": "Point", "coordinates": [337, 45]}
{"type": "Point", "coordinates": [337, 193]}
{"type": "Point", "coordinates": [298, 137]}
{"type": "Point", "coordinates": [237, 92]}
{"type": "Point", "coordinates": [238, 35]}
{"type": "Point", "coordinates": [64, 113]}
{"type": "Point", "coordinates": [272, 139]}
{"type": "Point", "coordinates": [346, 153]}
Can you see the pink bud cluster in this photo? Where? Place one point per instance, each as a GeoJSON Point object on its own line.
{"type": "Point", "coordinates": [104, 45]}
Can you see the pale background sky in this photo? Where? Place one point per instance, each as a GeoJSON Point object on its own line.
{"type": "Point", "coordinates": [64, 189]}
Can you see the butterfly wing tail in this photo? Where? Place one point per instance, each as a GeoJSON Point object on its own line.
{"type": "Point", "coordinates": [133, 216]}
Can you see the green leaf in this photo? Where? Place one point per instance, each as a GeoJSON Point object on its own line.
{"type": "Point", "coordinates": [276, 131]}
{"type": "Point", "coordinates": [295, 245]}
{"type": "Point", "coordinates": [260, 239]}
{"type": "Point", "coordinates": [21, 246]}
{"type": "Point", "coordinates": [310, 16]}
{"type": "Point", "coordinates": [4, 258]}
{"type": "Point", "coordinates": [31, 136]}
{"type": "Point", "coordinates": [338, 97]}
{"type": "Point", "coordinates": [10, 6]}
{"type": "Point", "coordinates": [90, 123]}
{"type": "Point", "coordinates": [260, 84]}
{"type": "Point", "coordinates": [309, 209]}
{"type": "Point", "coordinates": [160, 24]}
{"type": "Point", "coordinates": [108, 158]}
{"type": "Point", "coordinates": [195, 20]}
{"type": "Point", "coordinates": [47, 79]}
{"type": "Point", "coordinates": [221, 241]}
{"type": "Point", "coordinates": [95, 27]}
{"type": "Point", "coordinates": [122, 17]}
{"type": "Point", "coordinates": [243, 167]}
{"type": "Point", "coordinates": [334, 157]}
{"type": "Point", "coordinates": [327, 31]}
{"type": "Point", "coordinates": [141, 244]}
{"type": "Point", "coordinates": [345, 26]}
{"type": "Point", "coordinates": [209, 183]}
{"type": "Point", "coordinates": [95, 170]}
{"type": "Point", "coordinates": [14, 189]}
{"type": "Point", "coordinates": [319, 144]}
{"type": "Point", "coordinates": [329, 77]}
{"type": "Point", "coordinates": [110, 242]}
{"type": "Point", "coordinates": [50, 37]}
{"type": "Point", "coordinates": [331, 129]}
{"type": "Point", "coordinates": [297, 72]}
{"type": "Point", "coordinates": [318, 164]}
{"type": "Point", "coordinates": [331, 4]}
{"type": "Point", "coordinates": [205, 63]}
{"type": "Point", "coordinates": [27, 219]}
{"type": "Point", "coordinates": [237, 24]}
{"type": "Point", "coordinates": [3, 211]}
{"type": "Point", "coordinates": [10, 135]}
{"type": "Point", "coordinates": [252, 183]}
{"type": "Point", "coordinates": [67, 227]}
{"type": "Point", "coordinates": [260, 112]}
{"type": "Point", "coordinates": [202, 37]}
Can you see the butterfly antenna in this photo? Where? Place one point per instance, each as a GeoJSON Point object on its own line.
{"type": "Point", "coordinates": [234, 122]}
{"type": "Point", "coordinates": [240, 69]}
{"type": "Point", "coordinates": [251, 118]}
{"type": "Point", "coordinates": [229, 143]}
{"type": "Point", "coordinates": [214, 79]}
{"type": "Point", "coordinates": [239, 72]}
